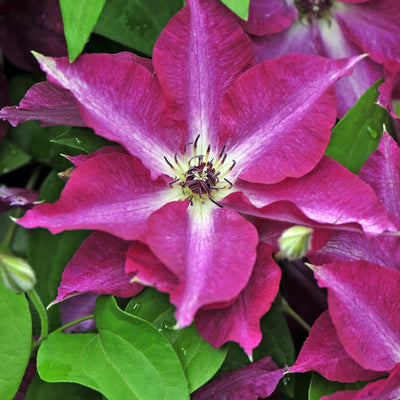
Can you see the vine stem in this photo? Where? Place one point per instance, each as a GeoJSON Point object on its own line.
{"type": "Point", "coordinates": [289, 310]}
{"type": "Point", "coordinates": [74, 322]}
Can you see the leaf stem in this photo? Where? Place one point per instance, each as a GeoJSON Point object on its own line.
{"type": "Point", "coordinates": [284, 306]}
{"type": "Point", "coordinates": [44, 322]}
{"type": "Point", "coordinates": [74, 322]}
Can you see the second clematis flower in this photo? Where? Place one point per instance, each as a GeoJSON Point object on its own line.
{"type": "Point", "coordinates": [202, 127]}
{"type": "Point", "coordinates": [330, 28]}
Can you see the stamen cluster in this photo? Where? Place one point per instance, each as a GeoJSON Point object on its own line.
{"type": "Point", "coordinates": [313, 8]}
{"type": "Point", "coordinates": [200, 176]}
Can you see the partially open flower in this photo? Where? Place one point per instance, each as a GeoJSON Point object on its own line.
{"type": "Point", "coordinates": [295, 242]}
{"type": "Point", "coordinates": [16, 274]}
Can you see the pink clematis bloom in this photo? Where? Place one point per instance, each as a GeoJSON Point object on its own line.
{"type": "Point", "coordinates": [359, 338]}
{"type": "Point", "coordinates": [331, 28]}
{"type": "Point", "coordinates": [205, 136]}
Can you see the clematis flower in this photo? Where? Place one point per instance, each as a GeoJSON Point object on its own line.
{"type": "Point", "coordinates": [358, 339]}
{"type": "Point", "coordinates": [331, 28]}
{"type": "Point", "coordinates": [207, 137]}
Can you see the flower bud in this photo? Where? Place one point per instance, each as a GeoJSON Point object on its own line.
{"type": "Point", "coordinates": [16, 274]}
{"type": "Point", "coordinates": [295, 242]}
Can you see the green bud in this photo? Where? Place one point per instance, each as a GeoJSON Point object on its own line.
{"type": "Point", "coordinates": [16, 274]}
{"type": "Point", "coordinates": [295, 242]}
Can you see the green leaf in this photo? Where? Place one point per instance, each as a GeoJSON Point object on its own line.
{"type": "Point", "coordinates": [39, 390]}
{"type": "Point", "coordinates": [276, 339]}
{"type": "Point", "coordinates": [239, 7]}
{"type": "Point", "coordinates": [136, 23]}
{"type": "Point", "coordinates": [199, 359]}
{"type": "Point", "coordinates": [128, 359]}
{"type": "Point", "coordinates": [79, 18]}
{"type": "Point", "coordinates": [15, 341]}
{"type": "Point", "coordinates": [11, 157]}
{"type": "Point", "coordinates": [320, 387]}
{"type": "Point", "coordinates": [357, 135]}
{"type": "Point", "coordinates": [83, 139]}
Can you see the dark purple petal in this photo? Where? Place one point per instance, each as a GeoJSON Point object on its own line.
{"type": "Point", "coordinates": [364, 305]}
{"type": "Point", "coordinates": [210, 250]}
{"type": "Point", "coordinates": [28, 25]}
{"type": "Point", "coordinates": [198, 55]}
{"type": "Point", "coordinates": [4, 100]}
{"type": "Point", "coordinates": [17, 197]}
{"type": "Point", "coordinates": [240, 322]}
{"type": "Point", "coordinates": [384, 389]}
{"type": "Point", "coordinates": [324, 353]}
{"type": "Point", "coordinates": [46, 102]}
{"type": "Point", "coordinates": [251, 382]}
{"type": "Point", "coordinates": [76, 307]}
{"type": "Point", "coordinates": [112, 192]}
{"type": "Point", "coordinates": [275, 126]}
{"type": "Point", "coordinates": [126, 105]}
{"type": "Point", "coordinates": [98, 266]}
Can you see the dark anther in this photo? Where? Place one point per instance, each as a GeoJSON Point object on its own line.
{"type": "Point", "coordinates": [216, 202]}
{"type": "Point", "coordinates": [166, 159]}
{"type": "Point", "coordinates": [230, 183]}
{"type": "Point", "coordinates": [196, 140]}
{"type": "Point", "coordinates": [222, 152]}
{"type": "Point", "coordinates": [233, 165]}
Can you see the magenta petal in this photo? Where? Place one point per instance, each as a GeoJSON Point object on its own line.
{"type": "Point", "coordinates": [364, 305]}
{"type": "Point", "coordinates": [256, 380]}
{"type": "Point", "coordinates": [126, 105]}
{"type": "Point", "coordinates": [269, 16]}
{"type": "Point", "coordinates": [323, 352]}
{"type": "Point", "coordinates": [199, 54]}
{"type": "Point", "coordinates": [374, 27]}
{"type": "Point", "coordinates": [81, 158]}
{"type": "Point", "coordinates": [111, 192]}
{"type": "Point", "coordinates": [335, 204]}
{"type": "Point", "coordinates": [390, 89]}
{"type": "Point", "coordinates": [384, 389]}
{"type": "Point", "coordinates": [351, 246]}
{"type": "Point", "coordinates": [148, 269]}
{"type": "Point", "coordinates": [240, 322]}
{"type": "Point", "coordinates": [46, 102]}
{"type": "Point", "coordinates": [211, 250]}
{"type": "Point", "coordinates": [382, 172]}
{"type": "Point", "coordinates": [98, 266]}
{"type": "Point", "coordinates": [275, 126]}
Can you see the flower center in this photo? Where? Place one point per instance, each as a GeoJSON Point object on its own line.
{"type": "Point", "coordinates": [200, 175]}
{"type": "Point", "coordinates": [313, 9]}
